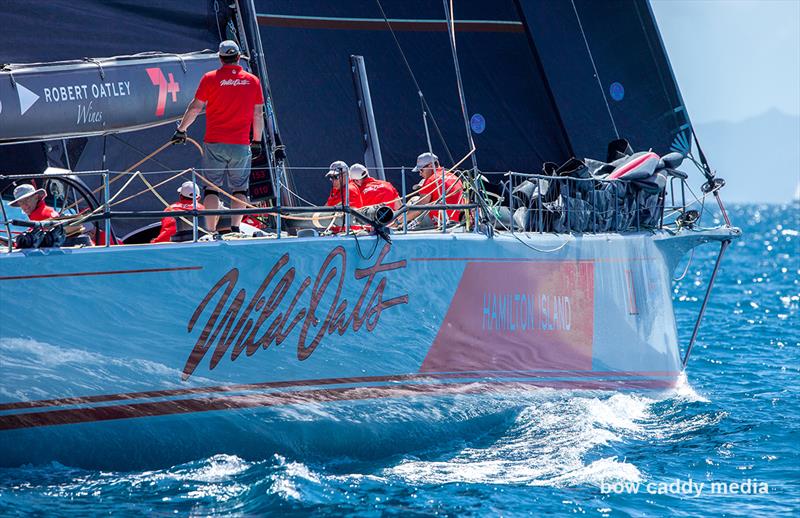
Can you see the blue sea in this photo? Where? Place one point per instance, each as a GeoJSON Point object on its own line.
{"type": "Point", "coordinates": [727, 442]}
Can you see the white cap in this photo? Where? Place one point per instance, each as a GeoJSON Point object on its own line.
{"type": "Point", "coordinates": [425, 159]}
{"type": "Point", "coordinates": [229, 48]}
{"type": "Point", "coordinates": [358, 171]}
{"type": "Point", "coordinates": [189, 189]}
{"type": "Point", "coordinates": [23, 191]}
{"type": "Point", "coordinates": [336, 169]}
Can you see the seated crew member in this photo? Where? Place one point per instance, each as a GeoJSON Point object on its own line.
{"type": "Point", "coordinates": [431, 191]}
{"type": "Point", "coordinates": [338, 174]}
{"type": "Point", "coordinates": [373, 191]}
{"type": "Point", "coordinates": [176, 229]}
{"type": "Point", "coordinates": [31, 201]}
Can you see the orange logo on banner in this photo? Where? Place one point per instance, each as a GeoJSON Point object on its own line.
{"type": "Point", "coordinates": [164, 87]}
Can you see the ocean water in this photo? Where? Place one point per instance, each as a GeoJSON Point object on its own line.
{"type": "Point", "coordinates": [734, 422]}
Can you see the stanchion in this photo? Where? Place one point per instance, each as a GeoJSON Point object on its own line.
{"type": "Point", "coordinates": [106, 208]}
{"type": "Point", "coordinates": [403, 187]}
{"type": "Point", "coordinates": [278, 202]}
{"type": "Point", "coordinates": [194, 206]}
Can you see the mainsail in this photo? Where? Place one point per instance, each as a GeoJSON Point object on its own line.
{"type": "Point", "coordinates": [543, 81]}
{"type": "Point", "coordinates": [307, 46]}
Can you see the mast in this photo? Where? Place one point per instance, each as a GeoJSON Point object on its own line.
{"type": "Point", "coordinates": [247, 18]}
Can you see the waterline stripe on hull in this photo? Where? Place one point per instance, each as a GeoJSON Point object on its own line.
{"type": "Point", "coordinates": [526, 260]}
{"type": "Point", "coordinates": [104, 398]}
{"type": "Point", "coordinates": [188, 406]}
{"type": "Point", "coordinates": [92, 274]}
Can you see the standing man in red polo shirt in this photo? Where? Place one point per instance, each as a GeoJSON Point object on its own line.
{"type": "Point", "coordinates": [234, 106]}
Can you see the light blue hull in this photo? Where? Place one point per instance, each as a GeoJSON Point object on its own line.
{"type": "Point", "coordinates": [142, 355]}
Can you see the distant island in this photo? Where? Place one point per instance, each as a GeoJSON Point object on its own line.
{"type": "Point", "coordinates": [758, 157]}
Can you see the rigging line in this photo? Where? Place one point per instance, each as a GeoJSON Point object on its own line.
{"type": "Point", "coordinates": [159, 184]}
{"type": "Point", "coordinates": [452, 30]}
{"type": "Point", "coordinates": [290, 191]}
{"type": "Point", "coordinates": [596, 74]}
{"type": "Point", "coordinates": [137, 164]}
{"type": "Point", "coordinates": [697, 200]}
{"type": "Point", "coordinates": [166, 204]}
{"type": "Point", "coordinates": [688, 264]}
{"type": "Point", "coordinates": [80, 218]}
{"type": "Point", "coordinates": [426, 107]}
{"type": "Point", "coordinates": [216, 18]}
{"type": "Point", "coordinates": [515, 236]}
{"type": "Point", "coordinates": [360, 251]}
{"type": "Point", "coordinates": [138, 150]}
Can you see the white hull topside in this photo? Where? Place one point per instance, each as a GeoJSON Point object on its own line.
{"type": "Point", "coordinates": [161, 335]}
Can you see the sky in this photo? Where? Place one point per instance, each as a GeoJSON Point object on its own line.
{"type": "Point", "coordinates": [733, 59]}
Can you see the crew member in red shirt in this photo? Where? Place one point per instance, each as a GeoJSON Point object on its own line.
{"type": "Point", "coordinates": [31, 201]}
{"type": "Point", "coordinates": [337, 175]}
{"type": "Point", "coordinates": [176, 229]}
{"type": "Point", "coordinates": [374, 192]}
{"type": "Point", "coordinates": [431, 190]}
{"type": "Point", "coordinates": [234, 105]}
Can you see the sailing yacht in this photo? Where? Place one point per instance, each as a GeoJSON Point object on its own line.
{"type": "Point", "coordinates": [557, 274]}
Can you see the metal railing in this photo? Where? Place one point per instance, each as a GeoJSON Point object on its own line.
{"type": "Point", "coordinates": [106, 214]}
{"type": "Point", "coordinates": [563, 204]}
{"type": "Point", "coordinates": [528, 203]}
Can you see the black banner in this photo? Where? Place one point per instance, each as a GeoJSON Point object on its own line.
{"type": "Point", "coordinates": [99, 96]}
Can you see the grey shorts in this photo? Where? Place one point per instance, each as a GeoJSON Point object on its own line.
{"type": "Point", "coordinates": [227, 161]}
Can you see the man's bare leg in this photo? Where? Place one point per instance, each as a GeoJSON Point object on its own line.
{"type": "Point", "coordinates": [239, 203]}
{"type": "Point", "coordinates": [211, 202]}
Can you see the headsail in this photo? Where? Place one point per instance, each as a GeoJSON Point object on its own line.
{"type": "Point", "coordinates": [609, 73]}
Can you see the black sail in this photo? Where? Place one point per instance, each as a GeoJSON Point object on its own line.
{"type": "Point", "coordinates": [609, 72]}
{"type": "Point", "coordinates": [543, 81]}
{"type": "Point", "coordinates": [307, 46]}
